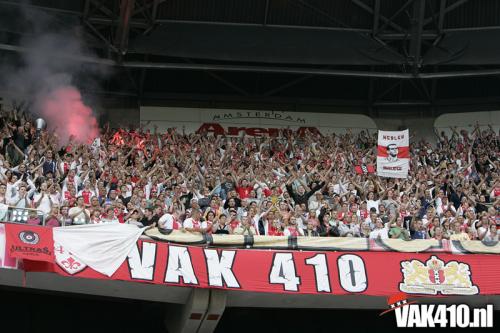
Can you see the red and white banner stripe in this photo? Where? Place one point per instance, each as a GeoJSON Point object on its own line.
{"type": "Point", "coordinates": [393, 154]}
{"type": "Point", "coordinates": [6, 261]}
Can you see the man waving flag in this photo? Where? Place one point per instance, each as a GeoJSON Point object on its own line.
{"type": "Point", "coordinates": [393, 156]}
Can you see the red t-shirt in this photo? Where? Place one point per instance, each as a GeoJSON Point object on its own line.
{"type": "Point", "coordinates": [293, 231]}
{"type": "Point", "coordinates": [69, 198]}
{"type": "Point", "coordinates": [176, 225]}
{"type": "Point", "coordinates": [274, 231]}
{"type": "Point", "coordinates": [234, 224]}
{"type": "Point", "coordinates": [86, 196]}
{"type": "Point", "coordinates": [66, 167]}
{"type": "Point", "coordinates": [244, 192]}
{"type": "Point", "coordinates": [120, 216]}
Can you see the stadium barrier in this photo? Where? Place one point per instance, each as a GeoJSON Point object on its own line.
{"type": "Point", "coordinates": [89, 251]}
{"type": "Point", "coordinates": [325, 243]}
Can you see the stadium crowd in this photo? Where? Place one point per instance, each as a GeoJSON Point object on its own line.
{"type": "Point", "coordinates": [308, 185]}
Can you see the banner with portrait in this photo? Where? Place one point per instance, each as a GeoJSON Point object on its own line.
{"type": "Point", "coordinates": [393, 154]}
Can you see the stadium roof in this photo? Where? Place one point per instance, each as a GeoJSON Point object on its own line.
{"type": "Point", "coordinates": [365, 55]}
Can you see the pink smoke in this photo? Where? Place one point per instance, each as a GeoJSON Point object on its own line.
{"type": "Point", "coordinates": [65, 112]}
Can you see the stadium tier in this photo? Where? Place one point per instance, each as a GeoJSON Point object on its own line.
{"type": "Point", "coordinates": [293, 162]}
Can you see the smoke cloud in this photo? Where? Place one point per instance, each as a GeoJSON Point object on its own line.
{"type": "Point", "coordinates": [67, 101]}
{"type": "Point", "coordinates": [49, 74]}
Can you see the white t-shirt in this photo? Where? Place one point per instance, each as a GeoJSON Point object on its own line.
{"type": "Point", "coordinates": [107, 220]}
{"type": "Point", "coordinates": [75, 182]}
{"type": "Point", "coordinates": [11, 189]}
{"type": "Point", "coordinates": [24, 203]}
{"type": "Point", "coordinates": [314, 204]}
{"type": "Point", "coordinates": [71, 165]}
{"type": "Point", "coordinates": [190, 223]}
{"type": "Point", "coordinates": [372, 203]}
{"type": "Point", "coordinates": [80, 218]}
{"type": "Point", "coordinates": [3, 211]}
{"type": "Point", "coordinates": [135, 222]}
{"type": "Point", "coordinates": [44, 205]}
{"type": "Point", "coordinates": [379, 232]}
{"type": "Point", "coordinates": [339, 189]}
{"type": "Point", "coordinates": [56, 198]}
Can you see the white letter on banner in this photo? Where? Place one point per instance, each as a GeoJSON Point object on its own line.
{"type": "Point", "coordinates": [179, 265]}
{"type": "Point", "coordinates": [142, 267]}
{"type": "Point", "coordinates": [352, 273]}
{"type": "Point", "coordinates": [283, 272]}
{"type": "Point", "coordinates": [320, 272]}
{"type": "Point", "coordinates": [220, 269]}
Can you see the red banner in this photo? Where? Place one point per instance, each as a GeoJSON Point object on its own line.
{"type": "Point", "coordinates": [6, 261]}
{"type": "Point", "coordinates": [302, 272]}
{"type": "Point", "coordinates": [364, 169]}
{"type": "Point", "coordinates": [29, 242]}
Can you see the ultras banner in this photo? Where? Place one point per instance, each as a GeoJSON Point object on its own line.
{"type": "Point", "coordinates": [302, 272]}
{"type": "Point", "coordinates": [29, 242]}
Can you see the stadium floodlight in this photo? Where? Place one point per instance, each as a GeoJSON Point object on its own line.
{"type": "Point", "coordinates": [20, 215]}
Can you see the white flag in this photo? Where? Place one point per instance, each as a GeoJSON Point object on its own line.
{"type": "Point", "coordinates": [103, 247]}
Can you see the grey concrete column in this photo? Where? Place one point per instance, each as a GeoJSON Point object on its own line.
{"type": "Point", "coordinates": [215, 310]}
{"type": "Point", "coordinates": [187, 318]}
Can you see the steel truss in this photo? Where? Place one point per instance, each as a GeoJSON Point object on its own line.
{"type": "Point", "coordinates": [407, 32]}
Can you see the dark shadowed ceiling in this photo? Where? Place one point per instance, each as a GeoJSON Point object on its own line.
{"type": "Point", "coordinates": [370, 56]}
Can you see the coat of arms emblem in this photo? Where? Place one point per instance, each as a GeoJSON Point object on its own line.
{"type": "Point", "coordinates": [67, 261]}
{"type": "Point", "coordinates": [434, 277]}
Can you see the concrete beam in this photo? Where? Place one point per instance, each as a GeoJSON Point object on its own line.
{"type": "Point", "coordinates": [122, 31]}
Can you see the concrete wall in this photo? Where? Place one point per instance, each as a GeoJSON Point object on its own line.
{"type": "Point", "coordinates": [420, 127]}
{"type": "Point", "coordinates": [423, 127]}
{"type": "Point", "coordinates": [119, 117]}
{"type": "Point", "coordinates": [468, 120]}
{"type": "Point", "coordinates": [192, 118]}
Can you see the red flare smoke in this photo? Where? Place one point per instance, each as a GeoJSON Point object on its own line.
{"type": "Point", "coordinates": [64, 111]}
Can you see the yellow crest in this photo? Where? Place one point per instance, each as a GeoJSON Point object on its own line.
{"type": "Point", "coordinates": [434, 276]}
